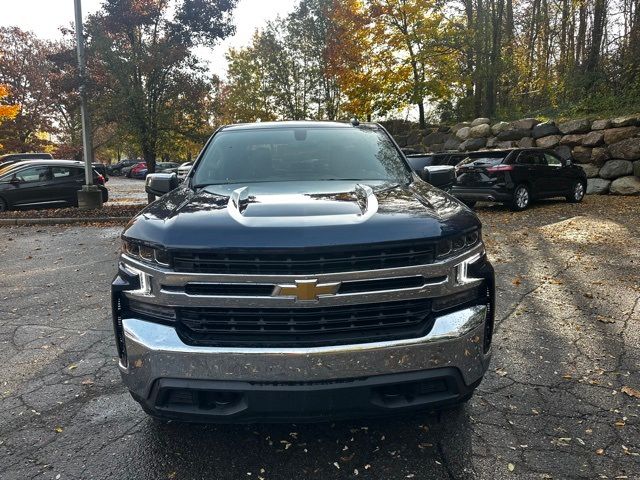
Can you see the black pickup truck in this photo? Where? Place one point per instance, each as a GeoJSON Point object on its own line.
{"type": "Point", "coordinates": [301, 271]}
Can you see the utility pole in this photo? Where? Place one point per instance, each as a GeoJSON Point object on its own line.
{"type": "Point", "coordinates": [90, 196]}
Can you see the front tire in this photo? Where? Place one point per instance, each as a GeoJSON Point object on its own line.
{"type": "Point", "coordinates": [3, 205]}
{"type": "Point", "coordinates": [521, 198]}
{"type": "Point", "coordinates": [577, 193]}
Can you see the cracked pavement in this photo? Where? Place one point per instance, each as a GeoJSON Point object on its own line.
{"type": "Point", "coordinates": [552, 404]}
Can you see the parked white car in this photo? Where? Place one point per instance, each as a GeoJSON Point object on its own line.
{"type": "Point", "coordinates": [183, 170]}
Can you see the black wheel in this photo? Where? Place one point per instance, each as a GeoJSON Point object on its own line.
{"type": "Point", "coordinates": [577, 193]}
{"type": "Point", "coordinates": [521, 198]}
{"type": "Point", "coordinates": [3, 205]}
{"type": "Point", "coordinates": [470, 203]}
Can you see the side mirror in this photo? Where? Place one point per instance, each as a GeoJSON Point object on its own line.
{"type": "Point", "coordinates": [14, 180]}
{"type": "Point", "coordinates": [441, 176]}
{"type": "Point", "coordinates": [160, 183]}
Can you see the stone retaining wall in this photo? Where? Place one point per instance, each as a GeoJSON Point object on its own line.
{"type": "Point", "coordinates": [608, 150]}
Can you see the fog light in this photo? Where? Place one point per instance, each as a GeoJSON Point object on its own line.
{"type": "Point", "coordinates": [450, 301]}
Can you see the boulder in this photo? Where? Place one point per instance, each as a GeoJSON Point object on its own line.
{"type": "Point", "coordinates": [545, 129]}
{"type": "Point", "coordinates": [615, 135]}
{"type": "Point", "coordinates": [452, 144]}
{"type": "Point", "coordinates": [628, 149]}
{"type": "Point", "coordinates": [472, 144]}
{"type": "Point", "coordinates": [414, 137]}
{"type": "Point", "coordinates": [492, 142]}
{"type": "Point", "coordinates": [571, 140]}
{"type": "Point", "coordinates": [575, 126]}
{"type": "Point", "coordinates": [590, 170]}
{"type": "Point", "coordinates": [616, 168]}
{"type": "Point", "coordinates": [480, 121]}
{"type": "Point", "coordinates": [625, 186]}
{"type": "Point", "coordinates": [564, 151]}
{"type": "Point", "coordinates": [460, 125]}
{"type": "Point", "coordinates": [524, 124]}
{"type": "Point", "coordinates": [435, 137]}
{"type": "Point", "coordinates": [480, 131]}
{"type": "Point", "coordinates": [513, 134]}
{"type": "Point", "coordinates": [549, 141]}
{"type": "Point", "coordinates": [463, 133]}
{"type": "Point", "coordinates": [507, 144]}
{"type": "Point", "coordinates": [625, 121]}
{"type": "Point", "coordinates": [636, 168]}
{"type": "Point", "coordinates": [437, 147]}
{"type": "Point", "coordinates": [499, 127]}
{"type": "Point", "coordinates": [599, 155]}
{"type": "Point", "coordinates": [526, 142]}
{"type": "Point", "coordinates": [444, 129]}
{"type": "Point", "coordinates": [401, 140]}
{"type": "Point", "coordinates": [581, 154]}
{"type": "Point", "coordinates": [593, 139]}
{"type": "Point", "coordinates": [598, 186]}
{"type": "Point", "coordinates": [601, 124]}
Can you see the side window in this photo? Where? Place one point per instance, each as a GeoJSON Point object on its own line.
{"type": "Point", "coordinates": [34, 174]}
{"type": "Point", "coordinates": [552, 160]}
{"type": "Point", "coordinates": [528, 158]}
{"type": "Point", "coordinates": [61, 173]}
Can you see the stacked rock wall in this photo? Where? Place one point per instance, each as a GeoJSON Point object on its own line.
{"type": "Point", "coordinates": [608, 150]}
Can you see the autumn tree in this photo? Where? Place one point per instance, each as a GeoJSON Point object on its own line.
{"type": "Point", "coordinates": [352, 60]}
{"type": "Point", "coordinates": [7, 112]}
{"type": "Point", "coordinates": [284, 72]}
{"type": "Point", "coordinates": [25, 70]}
{"type": "Point", "coordinates": [157, 87]}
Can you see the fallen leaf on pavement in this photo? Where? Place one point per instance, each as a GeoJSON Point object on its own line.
{"type": "Point", "coordinates": [632, 392]}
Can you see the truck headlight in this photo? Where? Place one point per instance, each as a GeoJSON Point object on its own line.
{"type": "Point", "coordinates": [462, 269]}
{"type": "Point", "coordinates": [454, 245]}
{"type": "Point", "coordinates": [146, 253]}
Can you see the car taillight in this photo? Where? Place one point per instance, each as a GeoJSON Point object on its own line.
{"type": "Point", "coordinates": [100, 180]}
{"type": "Point", "coordinates": [500, 168]}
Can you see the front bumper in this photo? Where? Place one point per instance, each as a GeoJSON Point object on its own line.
{"type": "Point", "coordinates": [233, 384]}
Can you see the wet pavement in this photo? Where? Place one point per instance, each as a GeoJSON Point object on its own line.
{"type": "Point", "coordinates": [557, 402]}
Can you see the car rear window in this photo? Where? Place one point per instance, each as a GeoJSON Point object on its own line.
{"type": "Point", "coordinates": [484, 159]}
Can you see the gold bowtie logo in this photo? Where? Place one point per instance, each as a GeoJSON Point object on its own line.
{"type": "Point", "coordinates": [306, 290]}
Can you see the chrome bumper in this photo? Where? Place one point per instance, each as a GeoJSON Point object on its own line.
{"type": "Point", "coordinates": [155, 351]}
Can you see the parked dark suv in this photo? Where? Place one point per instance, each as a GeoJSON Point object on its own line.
{"type": "Point", "coordinates": [518, 176]}
{"type": "Point", "coordinates": [301, 271]}
{"type": "Point", "coordinates": [38, 183]}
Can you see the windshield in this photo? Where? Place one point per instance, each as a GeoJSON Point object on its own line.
{"type": "Point", "coordinates": [300, 154]}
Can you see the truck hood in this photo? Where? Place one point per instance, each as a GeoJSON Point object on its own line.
{"type": "Point", "coordinates": [298, 215]}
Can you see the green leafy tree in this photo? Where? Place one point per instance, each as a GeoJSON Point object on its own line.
{"type": "Point", "coordinates": [156, 86]}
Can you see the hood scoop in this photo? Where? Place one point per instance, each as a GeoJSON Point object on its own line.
{"type": "Point", "coordinates": [299, 209]}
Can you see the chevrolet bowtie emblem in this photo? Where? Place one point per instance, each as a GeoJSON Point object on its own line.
{"type": "Point", "coordinates": [306, 290]}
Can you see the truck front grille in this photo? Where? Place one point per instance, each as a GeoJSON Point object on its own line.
{"type": "Point", "coordinates": [305, 326]}
{"type": "Point", "coordinates": [307, 261]}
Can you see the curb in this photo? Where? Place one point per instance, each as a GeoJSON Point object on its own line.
{"type": "Point", "coordinates": [58, 221]}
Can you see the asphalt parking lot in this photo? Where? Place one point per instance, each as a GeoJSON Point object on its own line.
{"type": "Point", "coordinates": [558, 401]}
